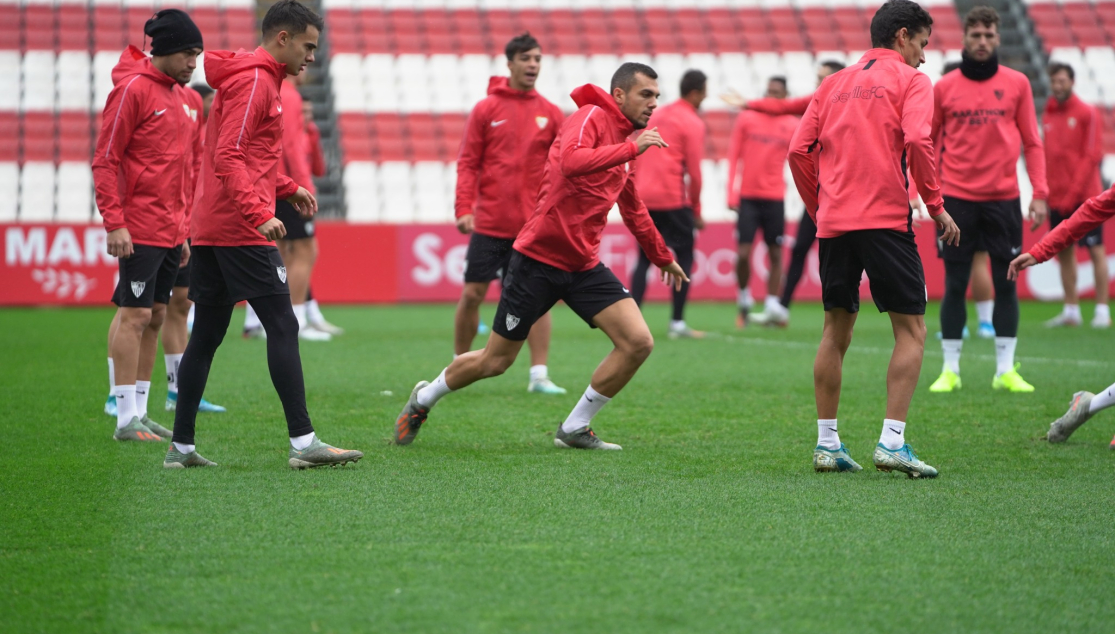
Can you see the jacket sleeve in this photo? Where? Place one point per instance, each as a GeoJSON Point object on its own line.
{"type": "Point", "coordinates": [694, 154]}
{"type": "Point", "coordinates": [195, 174]}
{"type": "Point", "coordinates": [1032, 147]}
{"type": "Point", "coordinates": [121, 116]}
{"type": "Point", "coordinates": [796, 106]}
{"type": "Point", "coordinates": [1089, 216]}
{"type": "Point", "coordinates": [579, 154]}
{"type": "Point", "coordinates": [917, 130]}
{"type": "Point", "coordinates": [469, 160]}
{"type": "Point", "coordinates": [295, 158]}
{"type": "Point", "coordinates": [803, 159]}
{"type": "Point", "coordinates": [285, 187]}
{"type": "Point", "coordinates": [1092, 155]}
{"type": "Point", "coordinates": [313, 148]}
{"type": "Point", "coordinates": [243, 109]}
{"type": "Point", "coordinates": [735, 149]}
{"type": "Point", "coordinates": [637, 219]}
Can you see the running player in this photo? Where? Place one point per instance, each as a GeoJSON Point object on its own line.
{"type": "Point", "coordinates": [1073, 153]}
{"type": "Point", "coordinates": [857, 193]}
{"type": "Point", "coordinates": [499, 172]}
{"type": "Point", "coordinates": [983, 116]}
{"type": "Point", "coordinates": [143, 172]}
{"type": "Point", "coordinates": [589, 170]}
{"type": "Point", "coordinates": [674, 202]}
{"type": "Point", "coordinates": [234, 226]}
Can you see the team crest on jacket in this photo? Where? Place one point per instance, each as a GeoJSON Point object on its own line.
{"type": "Point", "coordinates": [512, 321]}
{"type": "Point", "coordinates": [137, 288]}
{"type": "Point", "coordinates": [1072, 122]}
{"type": "Point", "coordinates": [541, 121]}
{"type": "Point", "coordinates": [999, 95]}
{"type": "Point", "coordinates": [281, 270]}
{"type": "Point", "coordinates": [192, 114]}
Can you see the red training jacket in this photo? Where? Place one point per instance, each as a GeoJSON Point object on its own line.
{"type": "Point", "coordinates": [144, 166]}
{"type": "Point", "coordinates": [768, 105]}
{"type": "Point", "coordinates": [660, 178]}
{"type": "Point", "coordinates": [1090, 215]}
{"type": "Point", "coordinates": [588, 171]}
{"type": "Point", "coordinates": [296, 158]}
{"type": "Point", "coordinates": [760, 141]}
{"type": "Point", "coordinates": [850, 153]}
{"type": "Point", "coordinates": [243, 148]}
{"type": "Point", "coordinates": [1073, 152]}
{"type": "Point", "coordinates": [499, 167]}
{"type": "Point", "coordinates": [313, 149]}
{"type": "Point", "coordinates": [979, 127]}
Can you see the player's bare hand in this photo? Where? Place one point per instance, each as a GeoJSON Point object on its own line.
{"type": "Point", "coordinates": [673, 275]}
{"type": "Point", "coordinates": [951, 233]}
{"type": "Point", "coordinates": [464, 223]}
{"type": "Point", "coordinates": [185, 255]}
{"type": "Point", "coordinates": [648, 139]}
{"type": "Point", "coordinates": [1023, 261]}
{"type": "Point", "coordinates": [273, 229]}
{"type": "Point", "coordinates": [733, 99]}
{"type": "Point", "coordinates": [120, 243]}
{"type": "Point", "coordinates": [303, 202]}
{"type": "Point", "coordinates": [1039, 211]}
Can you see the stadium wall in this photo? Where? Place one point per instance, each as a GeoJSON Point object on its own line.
{"type": "Point", "coordinates": [60, 264]}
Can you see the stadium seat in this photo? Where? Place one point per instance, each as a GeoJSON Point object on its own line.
{"type": "Point", "coordinates": [397, 191]}
{"type": "Point", "coordinates": [38, 70]}
{"type": "Point", "coordinates": [75, 195]}
{"type": "Point", "coordinates": [361, 199]}
{"type": "Point", "coordinates": [36, 192]}
{"type": "Point", "coordinates": [9, 182]}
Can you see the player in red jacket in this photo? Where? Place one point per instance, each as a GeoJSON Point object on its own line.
{"type": "Point", "coordinates": [143, 171]}
{"type": "Point", "coordinates": [556, 256]}
{"type": "Point", "coordinates": [983, 116]}
{"type": "Point", "coordinates": [849, 157]}
{"type": "Point", "coordinates": [499, 171]}
{"type": "Point", "coordinates": [316, 157]}
{"type": "Point", "coordinates": [234, 227]}
{"type": "Point", "coordinates": [669, 181]}
{"type": "Point", "coordinates": [1073, 153]}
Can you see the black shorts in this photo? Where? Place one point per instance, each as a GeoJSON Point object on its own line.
{"type": "Point", "coordinates": [676, 227]}
{"type": "Point", "coordinates": [1091, 239]}
{"type": "Point", "coordinates": [147, 276]}
{"type": "Point", "coordinates": [487, 258]}
{"type": "Point", "coordinates": [531, 288]}
{"type": "Point", "coordinates": [892, 263]}
{"type": "Point", "coordinates": [994, 226]}
{"type": "Point", "coordinates": [223, 276]}
{"type": "Point", "coordinates": [755, 213]}
{"type": "Point", "coordinates": [297, 227]}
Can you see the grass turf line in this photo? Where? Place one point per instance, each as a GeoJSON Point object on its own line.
{"type": "Point", "coordinates": [710, 520]}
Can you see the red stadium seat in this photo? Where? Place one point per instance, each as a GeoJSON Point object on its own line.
{"type": "Point", "coordinates": [38, 16]}
{"type": "Point", "coordinates": [74, 148]}
{"type": "Point", "coordinates": [1090, 36]}
{"type": "Point", "coordinates": [471, 43]}
{"type": "Point", "coordinates": [38, 40]}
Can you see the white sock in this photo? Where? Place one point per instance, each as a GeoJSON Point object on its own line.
{"type": "Point", "coordinates": [538, 372]}
{"type": "Point", "coordinates": [743, 298]}
{"type": "Point", "coordinates": [893, 436]}
{"type": "Point", "coordinates": [826, 433]}
{"type": "Point", "coordinates": [432, 393]}
{"type": "Point", "coordinates": [125, 404]}
{"type": "Point", "coordinates": [300, 314]}
{"type": "Point", "coordinates": [111, 375]}
{"type": "Point", "coordinates": [985, 310]}
{"type": "Point", "coordinates": [172, 363]}
{"type": "Point", "coordinates": [251, 319]}
{"type": "Point", "coordinates": [1103, 400]}
{"type": "Point", "coordinates": [301, 442]}
{"type": "Point", "coordinates": [951, 348]}
{"type": "Point", "coordinates": [1004, 354]}
{"type": "Point", "coordinates": [581, 416]}
{"type": "Point", "coordinates": [1072, 311]}
{"type": "Point", "coordinates": [313, 312]}
{"type": "Point", "coordinates": [1103, 312]}
{"type": "Point", "coordinates": [190, 319]}
{"type": "Point", "coordinates": [185, 449]}
{"type": "Point", "coordinates": [143, 390]}
{"type": "Point", "coordinates": [771, 304]}
{"type": "Point", "coordinates": [677, 324]}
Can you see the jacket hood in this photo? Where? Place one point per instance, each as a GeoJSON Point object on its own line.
{"type": "Point", "coordinates": [502, 86]}
{"type": "Point", "coordinates": [220, 65]}
{"type": "Point", "coordinates": [135, 62]}
{"type": "Point", "coordinates": [590, 95]}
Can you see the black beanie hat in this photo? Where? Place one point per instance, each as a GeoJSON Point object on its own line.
{"type": "Point", "coordinates": [172, 31]}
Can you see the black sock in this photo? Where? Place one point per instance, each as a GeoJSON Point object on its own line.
{"type": "Point", "coordinates": [807, 234]}
{"type": "Point", "coordinates": [685, 261]}
{"type": "Point", "coordinates": [639, 278]}
{"type": "Point", "coordinates": [1005, 317]}
{"type": "Point", "coordinates": [283, 360]}
{"type": "Point", "coordinates": [210, 324]}
{"type": "Point", "coordinates": [954, 313]}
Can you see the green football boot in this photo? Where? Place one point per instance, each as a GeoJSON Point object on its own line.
{"type": "Point", "coordinates": [135, 430]}
{"type": "Point", "coordinates": [159, 430]}
{"type": "Point", "coordinates": [583, 438]}
{"type": "Point", "coordinates": [178, 460]}
{"type": "Point", "coordinates": [319, 454]}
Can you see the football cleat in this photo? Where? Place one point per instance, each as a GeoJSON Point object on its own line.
{"type": "Point", "coordinates": [412, 417]}
{"type": "Point", "coordinates": [159, 430]}
{"type": "Point", "coordinates": [203, 406]}
{"type": "Point", "coordinates": [483, 328]}
{"type": "Point", "coordinates": [177, 460]}
{"type": "Point", "coordinates": [904, 460]}
{"type": "Point", "coordinates": [949, 381]}
{"type": "Point", "coordinates": [1062, 321]}
{"type": "Point", "coordinates": [307, 333]}
{"type": "Point", "coordinates": [1078, 414]}
{"type": "Point", "coordinates": [772, 319]}
{"type": "Point", "coordinates": [110, 405]}
{"type": "Point", "coordinates": [319, 454]}
{"type": "Point", "coordinates": [685, 332]}
{"type": "Point", "coordinates": [255, 333]}
{"type": "Point", "coordinates": [986, 330]}
{"type": "Point", "coordinates": [136, 431]}
{"type": "Point", "coordinates": [327, 327]}
{"type": "Point", "coordinates": [833, 460]}
{"type": "Point", "coordinates": [583, 438]}
{"type": "Point", "coordinates": [1101, 321]}
{"type": "Point", "coordinates": [1011, 381]}
{"type": "Point", "coordinates": [743, 318]}
{"type": "Point", "coordinates": [544, 386]}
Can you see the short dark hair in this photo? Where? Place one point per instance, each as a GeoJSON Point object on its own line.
{"type": "Point", "coordinates": [625, 75]}
{"type": "Point", "coordinates": [290, 16]}
{"type": "Point", "coordinates": [1061, 67]}
{"type": "Point", "coordinates": [981, 14]}
{"type": "Point", "coordinates": [520, 44]}
{"type": "Point", "coordinates": [895, 15]}
{"type": "Point", "coordinates": [833, 65]}
{"type": "Point", "coordinates": [693, 80]}
{"type": "Point", "coordinates": [202, 89]}
{"type": "Point", "coordinates": [780, 79]}
{"type": "Point", "coordinates": [949, 67]}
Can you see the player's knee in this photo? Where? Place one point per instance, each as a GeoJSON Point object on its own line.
{"type": "Point", "coordinates": [135, 318]}
{"type": "Point", "coordinates": [744, 251]}
{"type": "Point", "coordinates": [775, 254]}
{"type": "Point", "coordinates": [158, 316]}
{"type": "Point", "coordinates": [639, 347]}
{"type": "Point", "coordinates": [497, 364]}
{"type": "Point", "coordinates": [473, 295]}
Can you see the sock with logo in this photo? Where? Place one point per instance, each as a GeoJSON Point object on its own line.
{"type": "Point", "coordinates": [172, 363]}
{"type": "Point", "coordinates": [143, 390]}
{"type": "Point", "coordinates": [893, 436]}
{"type": "Point", "coordinates": [251, 319]}
{"type": "Point", "coordinates": [581, 416]}
{"type": "Point", "coordinates": [1103, 400]}
{"type": "Point", "coordinates": [826, 434]}
{"type": "Point", "coordinates": [1004, 354]}
{"type": "Point", "coordinates": [744, 299]}
{"type": "Point", "coordinates": [301, 442]}
{"type": "Point", "coordinates": [111, 375]}
{"type": "Point", "coordinates": [432, 393]}
{"type": "Point", "coordinates": [125, 404]}
{"type": "Point", "coordinates": [538, 372]}
{"type": "Point", "coordinates": [951, 349]}
{"type": "Point", "coordinates": [984, 310]}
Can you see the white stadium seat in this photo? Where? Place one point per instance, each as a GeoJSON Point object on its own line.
{"type": "Point", "coordinates": [74, 80]}
{"type": "Point", "coordinates": [103, 63]}
{"type": "Point", "coordinates": [36, 192]}
{"type": "Point", "coordinates": [38, 81]}
{"type": "Point", "coordinates": [10, 77]}
{"type": "Point", "coordinates": [397, 191]}
{"type": "Point", "coordinates": [361, 192]}
{"type": "Point", "coordinates": [75, 194]}
{"type": "Point", "coordinates": [9, 182]}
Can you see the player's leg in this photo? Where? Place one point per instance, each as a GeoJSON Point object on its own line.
{"type": "Point", "coordinates": [958, 271]}
{"type": "Point", "coordinates": [299, 255]}
{"type": "Point", "coordinates": [486, 259]}
{"type": "Point", "coordinates": [1082, 407]}
{"type": "Point", "coordinates": [677, 230]}
{"type": "Point", "coordinates": [1066, 259]}
{"type": "Point", "coordinates": [175, 337]}
{"type": "Point", "coordinates": [110, 402]}
{"type": "Point", "coordinates": [1002, 229]}
{"type": "Point", "coordinates": [539, 342]}
{"type": "Point", "coordinates": [210, 325]}
{"type": "Point", "coordinates": [313, 310]}
{"type": "Point", "coordinates": [807, 234]}
{"type": "Point", "coordinates": [747, 225]}
{"type": "Point", "coordinates": [774, 228]}
{"type": "Point", "coordinates": [466, 320]}
{"type": "Point", "coordinates": [165, 280]}
{"type": "Point", "coordinates": [983, 294]}
{"type": "Point", "coordinates": [1102, 318]}
{"type": "Point", "coordinates": [639, 277]}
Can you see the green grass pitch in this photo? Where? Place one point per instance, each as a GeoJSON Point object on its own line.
{"type": "Point", "coordinates": [710, 520]}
